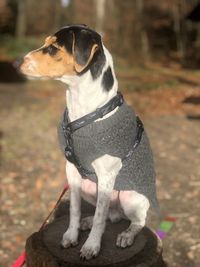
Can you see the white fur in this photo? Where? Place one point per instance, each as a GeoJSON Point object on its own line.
{"type": "Point", "coordinates": [83, 96]}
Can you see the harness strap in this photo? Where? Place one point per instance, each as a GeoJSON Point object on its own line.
{"type": "Point", "coordinates": [71, 127]}
{"type": "Point", "coordinates": [140, 129]}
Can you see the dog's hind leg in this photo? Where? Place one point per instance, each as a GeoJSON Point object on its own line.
{"type": "Point", "coordinates": [115, 215]}
{"type": "Point", "coordinates": [135, 207]}
{"type": "Point", "coordinates": [86, 223]}
{"type": "Point", "coordinates": [89, 194]}
{"type": "Point", "coordinates": [89, 191]}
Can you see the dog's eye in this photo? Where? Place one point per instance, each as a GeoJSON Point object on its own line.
{"type": "Point", "coordinates": [52, 50]}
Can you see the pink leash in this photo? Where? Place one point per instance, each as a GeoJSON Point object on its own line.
{"type": "Point", "coordinates": [22, 258]}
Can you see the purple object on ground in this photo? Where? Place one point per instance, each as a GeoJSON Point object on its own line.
{"type": "Point", "coordinates": [161, 234]}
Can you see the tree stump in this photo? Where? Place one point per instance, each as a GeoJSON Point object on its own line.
{"type": "Point", "coordinates": [43, 248]}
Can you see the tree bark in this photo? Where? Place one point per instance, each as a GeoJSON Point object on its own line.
{"type": "Point", "coordinates": [21, 19]}
{"type": "Point", "coordinates": [100, 12]}
{"type": "Point", "coordinates": [58, 14]}
{"type": "Point", "coordinates": [180, 29]}
{"type": "Point", "coordinates": [144, 41]}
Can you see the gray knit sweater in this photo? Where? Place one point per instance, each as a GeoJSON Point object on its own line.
{"type": "Point", "coordinates": [115, 136]}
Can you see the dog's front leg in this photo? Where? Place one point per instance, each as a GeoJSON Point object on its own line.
{"type": "Point", "coordinates": [106, 169]}
{"type": "Point", "coordinates": [70, 237]}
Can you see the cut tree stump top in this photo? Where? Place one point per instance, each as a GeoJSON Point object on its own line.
{"type": "Point", "coordinates": [43, 248]}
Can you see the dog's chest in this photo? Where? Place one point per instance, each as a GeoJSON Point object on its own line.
{"type": "Point", "coordinates": [84, 149]}
{"type": "Point", "coordinates": [113, 136]}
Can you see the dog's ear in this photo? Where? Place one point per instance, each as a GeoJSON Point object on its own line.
{"type": "Point", "coordinates": [83, 49]}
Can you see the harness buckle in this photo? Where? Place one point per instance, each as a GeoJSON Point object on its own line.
{"type": "Point", "coordinates": [66, 130]}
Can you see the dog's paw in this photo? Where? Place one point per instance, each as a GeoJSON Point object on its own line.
{"type": "Point", "coordinates": [125, 239]}
{"type": "Point", "coordinates": [86, 223]}
{"type": "Point", "coordinates": [70, 239]}
{"type": "Point", "coordinates": [89, 251]}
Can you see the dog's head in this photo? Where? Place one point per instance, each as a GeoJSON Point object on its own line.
{"type": "Point", "coordinates": [72, 50]}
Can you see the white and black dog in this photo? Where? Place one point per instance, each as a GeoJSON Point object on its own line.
{"type": "Point", "coordinates": [109, 162]}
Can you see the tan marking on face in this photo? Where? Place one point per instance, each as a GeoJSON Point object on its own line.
{"type": "Point", "coordinates": [39, 64]}
{"type": "Point", "coordinates": [55, 65]}
{"type": "Point", "coordinates": [50, 40]}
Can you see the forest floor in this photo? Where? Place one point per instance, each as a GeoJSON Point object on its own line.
{"type": "Point", "coordinates": [33, 168]}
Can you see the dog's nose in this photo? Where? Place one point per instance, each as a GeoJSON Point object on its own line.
{"type": "Point", "coordinates": [27, 58]}
{"type": "Point", "coordinates": [25, 64]}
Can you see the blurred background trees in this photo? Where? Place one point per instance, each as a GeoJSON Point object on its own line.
{"type": "Point", "coordinates": [136, 30]}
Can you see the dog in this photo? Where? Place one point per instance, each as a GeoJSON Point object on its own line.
{"type": "Point", "coordinates": [109, 159]}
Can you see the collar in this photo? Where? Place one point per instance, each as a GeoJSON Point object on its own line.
{"type": "Point", "coordinates": [71, 127]}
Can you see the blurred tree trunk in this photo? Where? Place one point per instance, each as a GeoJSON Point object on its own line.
{"type": "Point", "coordinates": [180, 28]}
{"type": "Point", "coordinates": [141, 31]}
{"type": "Point", "coordinates": [21, 19]}
{"type": "Point", "coordinates": [177, 28]}
{"type": "Point", "coordinates": [100, 14]}
{"type": "Point", "coordinates": [58, 15]}
{"type": "Point", "coordinates": [112, 25]}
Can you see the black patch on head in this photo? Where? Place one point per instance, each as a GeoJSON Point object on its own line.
{"type": "Point", "coordinates": [65, 38]}
{"type": "Point", "coordinates": [107, 80]}
{"type": "Point", "coordinates": [51, 50]}
{"type": "Point", "coordinates": [85, 38]}
{"type": "Point", "coordinates": [97, 64]}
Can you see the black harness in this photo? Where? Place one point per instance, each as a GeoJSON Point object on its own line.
{"type": "Point", "coordinates": [69, 128]}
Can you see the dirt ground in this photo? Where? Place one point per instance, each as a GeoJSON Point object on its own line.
{"type": "Point", "coordinates": [33, 169]}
